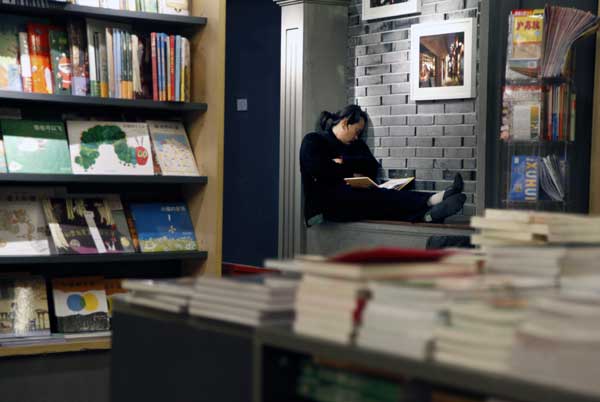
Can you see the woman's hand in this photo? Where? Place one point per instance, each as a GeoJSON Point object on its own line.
{"type": "Point", "coordinates": [339, 161]}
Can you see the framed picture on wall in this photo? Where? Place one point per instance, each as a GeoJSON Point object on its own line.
{"type": "Point", "coordinates": [443, 60]}
{"type": "Point", "coordinates": [374, 9]}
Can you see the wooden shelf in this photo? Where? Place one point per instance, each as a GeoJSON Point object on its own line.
{"type": "Point", "coordinates": [104, 258]}
{"type": "Point", "coordinates": [72, 10]}
{"type": "Point", "coordinates": [480, 382]}
{"type": "Point", "coordinates": [96, 102]}
{"type": "Point", "coordinates": [69, 346]}
{"type": "Point", "coordinates": [13, 178]}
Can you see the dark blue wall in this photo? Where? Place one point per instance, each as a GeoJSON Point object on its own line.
{"type": "Point", "coordinates": [250, 210]}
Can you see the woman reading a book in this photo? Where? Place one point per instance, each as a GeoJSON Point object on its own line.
{"type": "Point", "coordinates": [337, 152]}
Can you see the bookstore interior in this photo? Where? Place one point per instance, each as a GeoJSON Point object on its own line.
{"type": "Point", "coordinates": [180, 220]}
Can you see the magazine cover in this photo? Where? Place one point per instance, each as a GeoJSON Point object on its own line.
{"type": "Point", "coordinates": [80, 304]}
{"type": "Point", "coordinates": [23, 307]}
{"type": "Point", "coordinates": [526, 29]}
{"type": "Point", "coordinates": [524, 178]}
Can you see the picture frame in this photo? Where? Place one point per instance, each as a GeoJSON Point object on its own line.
{"type": "Point", "coordinates": [443, 60]}
{"type": "Point", "coordinates": [373, 9]}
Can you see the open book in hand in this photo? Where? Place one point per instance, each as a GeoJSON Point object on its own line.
{"type": "Point", "coordinates": [366, 182]}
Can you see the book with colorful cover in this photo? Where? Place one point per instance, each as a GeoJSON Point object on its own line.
{"type": "Point", "coordinates": [23, 229]}
{"type": "Point", "coordinates": [10, 73]}
{"type": "Point", "coordinates": [61, 60]}
{"type": "Point", "coordinates": [173, 152]}
{"type": "Point", "coordinates": [163, 227]}
{"type": "Point", "coordinates": [83, 226]}
{"type": "Point", "coordinates": [23, 306]}
{"type": "Point", "coordinates": [526, 29]}
{"type": "Point", "coordinates": [25, 61]}
{"type": "Point", "coordinates": [154, 56]}
{"type": "Point", "coordinates": [176, 7]}
{"type": "Point", "coordinates": [36, 147]}
{"type": "Point", "coordinates": [39, 53]}
{"type": "Point", "coordinates": [110, 148]}
{"type": "Point", "coordinates": [178, 68]}
{"type": "Point", "coordinates": [187, 71]}
{"type": "Point", "coordinates": [80, 304]}
{"type": "Point", "coordinates": [79, 58]}
{"type": "Point", "coordinates": [524, 178]}
{"type": "Point", "coordinates": [120, 221]}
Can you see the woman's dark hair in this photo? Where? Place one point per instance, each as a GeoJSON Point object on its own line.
{"type": "Point", "coordinates": [353, 112]}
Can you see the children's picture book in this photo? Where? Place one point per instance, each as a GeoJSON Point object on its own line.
{"type": "Point", "coordinates": [177, 7]}
{"type": "Point", "coordinates": [23, 229]}
{"type": "Point", "coordinates": [82, 226]}
{"type": "Point", "coordinates": [524, 178]}
{"type": "Point", "coordinates": [163, 227]}
{"type": "Point", "coordinates": [10, 73]}
{"type": "Point", "coordinates": [366, 182]}
{"type": "Point", "coordinates": [61, 60]}
{"type": "Point", "coordinates": [23, 306]}
{"type": "Point", "coordinates": [110, 148]}
{"type": "Point", "coordinates": [36, 146]}
{"type": "Point", "coordinates": [39, 52]}
{"type": "Point", "coordinates": [80, 304]}
{"type": "Point", "coordinates": [172, 148]}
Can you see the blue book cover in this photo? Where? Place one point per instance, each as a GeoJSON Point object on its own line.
{"type": "Point", "coordinates": [163, 227]}
{"type": "Point", "coordinates": [177, 68]}
{"type": "Point", "coordinates": [524, 178]}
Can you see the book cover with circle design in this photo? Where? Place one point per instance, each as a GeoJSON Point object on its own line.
{"type": "Point", "coordinates": [80, 304]}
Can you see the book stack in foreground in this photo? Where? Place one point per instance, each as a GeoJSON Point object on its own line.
{"type": "Point", "coordinates": [171, 295]}
{"type": "Point", "coordinates": [255, 300]}
{"type": "Point", "coordinates": [334, 292]}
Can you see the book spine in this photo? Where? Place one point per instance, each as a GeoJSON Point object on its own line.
{"type": "Point", "coordinates": [25, 61]}
{"type": "Point", "coordinates": [188, 72]}
{"type": "Point", "coordinates": [159, 64]}
{"type": "Point", "coordinates": [177, 68]}
{"type": "Point", "coordinates": [163, 67]}
{"type": "Point", "coordinates": [172, 67]}
{"type": "Point", "coordinates": [130, 50]}
{"type": "Point", "coordinates": [182, 74]}
{"type": "Point", "coordinates": [572, 128]}
{"type": "Point", "coordinates": [111, 62]}
{"type": "Point", "coordinates": [103, 64]}
{"type": "Point", "coordinates": [117, 55]}
{"type": "Point", "coordinates": [154, 67]}
{"type": "Point", "coordinates": [39, 52]}
{"type": "Point", "coordinates": [137, 84]}
{"type": "Point", "coordinates": [79, 63]}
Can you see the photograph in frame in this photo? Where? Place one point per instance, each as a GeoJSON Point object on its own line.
{"type": "Point", "coordinates": [376, 9]}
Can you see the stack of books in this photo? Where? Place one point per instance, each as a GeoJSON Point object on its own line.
{"type": "Point", "coordinates": [512, 228]}
{"type": "Point", "coordinates": [333, 293]}
{"type": "Point", "coordinates": [254, 300]}
{"type": "Point", "coordinates": [172, 295]}
{"type": "Point", "coordinates": [559, 342]}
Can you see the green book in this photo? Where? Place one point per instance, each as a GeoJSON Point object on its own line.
{"type": "Point", "coordinates": [36, 147]}
{"type": "Point", "coordinates": [61, 61]}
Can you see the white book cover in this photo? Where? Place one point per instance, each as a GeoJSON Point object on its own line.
{"type": "Point", "coordinates": [176, 7]}
{"type": "Point", "coordinates": [23, 229]}
{"type": "Point", "coordinates": [88, 3]}
{"type": "Point", "coordinates": [172, 149]}
{"type": "Point", "coordinates": [111, 148]}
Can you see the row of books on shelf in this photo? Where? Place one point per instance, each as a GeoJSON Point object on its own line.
{"type": "Point", "coordinates": [93, 58]}
{"type": "Point", "coordinates": [34, 309]}
{"type": "Point", "coordinates": [173, 7]}
{"type": "Point", "coordinates": [96, 147]}
{"type": "Point", "coordinates": [43, 223]}
{"type": "Point", "coordinates": [536, 177]}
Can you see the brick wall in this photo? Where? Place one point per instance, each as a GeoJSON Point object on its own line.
{"type": "Point", "coordinates": [429, 140]}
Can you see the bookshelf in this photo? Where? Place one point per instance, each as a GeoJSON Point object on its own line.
{"type": "Point", "coordinates": [203, 118]}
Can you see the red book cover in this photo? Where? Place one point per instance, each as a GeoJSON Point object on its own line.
{"type": "Point", "coordinates": [154, 68]}
{"type": "Point", "coordinates": [391, 255]}
{"type": "Point", "coordinates": [39, 52]}
{"type": "Point", "coordinates": [172, 66]}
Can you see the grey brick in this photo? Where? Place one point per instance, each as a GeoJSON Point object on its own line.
{"type": "Point", "coordinates": [458, 153]}
{"type": "Point", "coordinates": [402, 131]}
{"type": "Point", "coordinates": [448, 142]}
{"type": "Point", "coordinates": [425, 108]}
{"type": "Point", "coordinates": [460, 130]}
{"type": "Point", "coordinates": [466, 174]}
{"type": "Point", "coordinates": [401, 45]}
{"type": "Point", "coordinates": [379, 131]}
{"type": "Point", "coordinates": [394, 121]}
{"type": "Point", "coordinates": [375, 121]}
{"type": "Point", "coordinates": [401, 67]}
{"type": "Point", "coordinates": [429, 152]}
{"type": "Point", "coordinates": [428, 9]}
{"type": "Point", "coordinates": [377, 70]}
{"type": "Point", "coordinates": [419, 142]}
{"type": "Point", "coordinates": [360, 91]}
{"type": "Point", "coordinates": [378, 110]}
{"type": "Point", "coordinates": [369, 100]}
{"type": "Point", "coordinates": [402, 152]}
{"type": "Point", "coordinates": [469, 187]}
{"type": "Point", "coordinates": [393, 36]}
{"type": "Point", "coordinates": [378, 90]}
{"type": "Point", "coordinates": [400, 173]}
{"type": "Point", "coordinates": [472, 4]}
{"type": "Point", "coordinates": [420, 120]}
{"type": "Point", "coordinates": [393, 141]}
{"type": "Point", "coordinates": [466, 106]}
{"type": "Point", "coordinates": [469, 210]}
{"type": "Point", "coordinates": [428, 174]}
{"type": "Point", "coordinates": [393, 163]}
{"type": "Point", "coordinates": [470, 164]}
{"type": "Point", "coordinates": [470, 118]}
{"type": "Point", "coordinates": [449, 119]}
{"type": "Point", "coordinates": [394, 78]}
{"type": "Point", "coordinates": [402, 88]}
{"type": "Point", "coordinates": [450, 5]}
{"type": "Point", "coordinates": [431, 18]}
{"type": "Point", "coordinates": [404, 109]}
{"type": "Point", "coordinates": [360, 71]}
{"type": "Point", "coordinates": [369, 39]}
{"type": "Point", "coordinates": [448, 163]}
{"type": "Point", "coordinates": [430, 130]}
{"type": "Point", "coordinates": [394, 58]}
{"type": "Point", "coordinates": [379, 26]}
{"type": "Point", "coordinates": [381, 152]}
{"type": "Point", "coordinates": [368, 60]}
{"type": "Point", "coordinates": [469, 141]}
{"type": "Point", "coordinates": [420, 163]}
{"type": "Point", "coordinates": [368, 80]}
{"type": "Point", "coordinates": [379, 48]}
{"type": "Point", "coordinates": [394, 99]}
